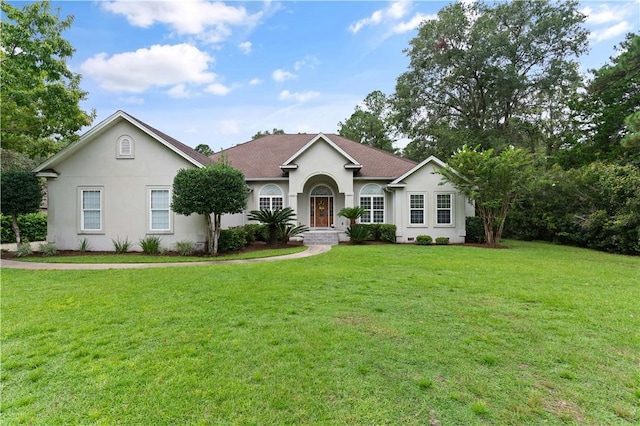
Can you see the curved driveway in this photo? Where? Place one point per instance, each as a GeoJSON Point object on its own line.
{"type": "Point", "coordinates": [310, 251]}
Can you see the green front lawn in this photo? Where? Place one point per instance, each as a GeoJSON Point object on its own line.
{"type": "Point", "coordinates": [374, 334]}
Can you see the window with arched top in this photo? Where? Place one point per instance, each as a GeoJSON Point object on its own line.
{"type": "Point", "coordinates": [125, 147]}
{"type": "Point", "coordinates": [321, 191]}
{"type": "Point", "coordinates": [271, 198]}
{"type": "Point", "coordinates": [372, 201]}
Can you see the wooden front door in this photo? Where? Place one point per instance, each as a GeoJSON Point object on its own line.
{"type": "Point", "coordinates": [321, 212]}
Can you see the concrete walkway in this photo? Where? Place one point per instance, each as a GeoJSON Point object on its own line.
{"type": "Point", "coordinates": [310, 251]}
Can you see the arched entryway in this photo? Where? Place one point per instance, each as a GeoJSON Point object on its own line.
{"type": "Point", "coordinates": [321, 207]}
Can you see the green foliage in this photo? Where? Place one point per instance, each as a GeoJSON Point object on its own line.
{"type": "Point", "coordinates": [358, 234]}
{"type": "Point", "coordinates": [84, 245]}
{"type": "Point", "coordinates": [442, 241]}
{"type": "Point", "coordinates": [352, 213]}
{"type": "Point", "coordinates": [387, 232]}
{"type": "Point", "coordinates": [274, 220]}
{"type": "Point", "coordinates": [255, 232]}
{"type": "Point", "coordinates": [266, 133]}
{"type": "Point", "coordinates": [40, 95]}
{"type": "Point", "coordinates": [290, 230]}
{"type": "Point", "coordinates": [21, 192]}
{"type": "Point", "coordinates": [33, 227]}
{"type": "Point", "coordinates": [23, 250]}
{"type": "Point", "coordinates": [611, 97]}
{"type": "Point", "coordinates": [370, 125]}
{"type": "Point", "coordinates": [232, 239]}
{"type": "Point", "coordinates": [204, 149]}
{"type": "Point", "coordinates": [493, 182]}
{"type": "Point", "coordinates": [474, 230]}
{"type": "Point", "coordinates": [424, 240]}
{"type": "Point", "coordinates": [150, 244]}
{"type": "Point", "coordinates": [48, 249]}
{"type": "Point", "coordinates": [596, 206]}
{"type": "Point", "coordinates": [210, 191]}
{"type": "Point", "coordinates": [480, 71]}
{"type": "Point", "coordinates": [185, 248]}
{"type": "Point", "coordinates": [121, 245]}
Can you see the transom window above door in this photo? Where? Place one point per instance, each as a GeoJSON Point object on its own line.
{"type": "Point", "coordinates": [271, 198]}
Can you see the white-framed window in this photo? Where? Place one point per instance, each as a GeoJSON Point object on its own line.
{"type": "Point", "coordinates": [125, 147]}
{"type": "Point", "coordinates": [91, 208]}
{"type": "Point", "coordinates": [271, 198]}
{"type": "Point", "coordinates": [417, 209]}
{"type": "Point", "coordinates": [372, 201]}
{"type": "Point", "coordinates": [444, 209]}
{"type": "Point", "coordinates": [159, 210]}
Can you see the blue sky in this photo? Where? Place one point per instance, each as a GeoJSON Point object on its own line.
{"type": "Point", "coordinates": [216, 73]}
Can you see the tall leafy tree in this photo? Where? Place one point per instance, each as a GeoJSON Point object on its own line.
{"type": "Point", "coordinates": [479, 71]}
{"type": "Point", "coordinates": [211, 191]}
{"type": "Point", "coordinates": [612, 95]}
{"type": "Point", "coordinates": [39, 95]}
{"type": "Point", "coordinates": [267, 132]}
{"type": "Point", "coordinates": [369, 124]}
{"type": "Point", "coordinates": [204, 149]}
{"type": "Point", "coordinates": [21, 194]}
{"type": "Point", "coordinates": [492, 181]}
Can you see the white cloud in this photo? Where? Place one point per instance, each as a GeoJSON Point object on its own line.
{"type": "Point", "coordinates": [298, 96]}
{"type": "Point", "coordinates": [603, 15]}
{"type": "Point", "coordinates": [255, 81]}
{"type": "Point", "coordinates": [160, 66]}
{"type": "Point", "coordinates": [282, 75]}
{"type": "Point", "coordinates": [309, 61]}
{"type": "Point", "coordinates": [611, 32]}
{"type": "Point", "coordinates": [179, 91]}
{"type": "Point", "coordinates": [217, 89]}
{"type": "Point", "coordinates": [394, 12]}
{"type": "Point", "coordinates": [245, 47]}
{"type": "Point", "coordinates": [413, 23]}
{"type": "Point", "coordinates": [133, 100]}
{"type": "Point", "coordinates": [209, 20]}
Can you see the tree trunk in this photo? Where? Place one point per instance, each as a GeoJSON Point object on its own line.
{"type": "Point", "coordinates": [16, 229]}
{"type": "Point", "coordinates": [216, 233]}
{"type": "Point", "coordinates": [210, 234]}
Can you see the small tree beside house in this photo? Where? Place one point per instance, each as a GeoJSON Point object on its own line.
{"type": "Point", "coordinates": [211, 191]}
{"type": "Point", "coordinates": [21, 194]}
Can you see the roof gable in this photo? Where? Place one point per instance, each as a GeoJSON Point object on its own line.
{"type": "Point", "coordinates": [352, 163]}
{"type": "Point", "coordinates": [186, 152]}
{"type": "Point", "coordinates": [431, 159]}
{"type": "Point", "coordinates": [264, 157]}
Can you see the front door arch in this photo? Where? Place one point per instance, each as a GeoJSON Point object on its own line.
{"type": "Point", "coordinates": [321, 207]}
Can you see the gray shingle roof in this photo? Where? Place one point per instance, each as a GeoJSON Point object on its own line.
{"type": "Point", "coordinates": [262, 157]}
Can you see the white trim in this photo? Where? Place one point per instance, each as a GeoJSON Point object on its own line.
{"type": "Point", "coordinates": [81, 209]}
{"type": "Point", "coordinates": [354, 164]}
{"type": "Point", "coordinates": [150, 209]}
{"type": "Point", "coordinates": [425, 218]}
{"type": "Point", "coordinates": [451, 209]}
{"type": "Point", "coordinates": [418, 167]}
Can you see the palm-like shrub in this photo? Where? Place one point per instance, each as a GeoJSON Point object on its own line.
{"type": "Point", "coordinates": [358, 233]}
{"type": "Point", "coordinates": [274, 220]}
{"type": "Point", "coordinates": [352, 213]}
{"type": "Point", "coordinates": [289, 230]}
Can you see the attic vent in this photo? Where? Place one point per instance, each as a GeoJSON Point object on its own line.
{"type": "Point", "coordinates": [125, 147]}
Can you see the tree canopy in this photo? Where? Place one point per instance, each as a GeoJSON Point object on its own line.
{"type": "Point", "coordinates": [213, 190]}
{"type": "Point", "coordinates": [266, 133]}
{"type": "Point", "coordinates": [39, 95]}
{"type": "Point", "coordinates": [369, 124]}
{"type": "Point", "coordinates": [204, 149]}
{"type": "Point", "coordinates": [479, 72]}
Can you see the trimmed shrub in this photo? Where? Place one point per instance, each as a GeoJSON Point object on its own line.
{"type": "Point", "coordinates": [424, 240]}
{"type": "Point", "coordinates": [33, 226]}
{"type": "Point", "coordinates": [442, 241]}
{"type": "Point", "coordinates": [185, 248]}
{"type": "Point", "coordinates": [150, 244]}
{"type": "Point", "coordinates": [48, 249]}
{"type": "Point", "coordinates": [255, 232]}
{"type": "Point", "coordinates": [387, 233]}
{"type": "Point", "coordinates": [374, 229]}
{"type": "Point", "coordinates": [232, 239]}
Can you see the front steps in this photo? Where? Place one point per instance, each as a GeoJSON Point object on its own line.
{"type": "Point", "coordinates": [321, 237]}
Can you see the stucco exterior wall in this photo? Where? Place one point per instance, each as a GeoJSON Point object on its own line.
{"type": "Point", "coordinates": [125, 185]}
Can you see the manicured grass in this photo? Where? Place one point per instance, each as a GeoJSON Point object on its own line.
{"type": "Point", "coordinates": [374, 334]}
{"type": "Point", "coordinates": [143, 258]}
